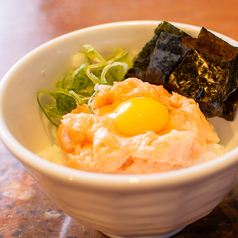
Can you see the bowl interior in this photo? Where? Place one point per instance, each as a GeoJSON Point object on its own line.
{"type": "Point", "coordinates": [23, 124]}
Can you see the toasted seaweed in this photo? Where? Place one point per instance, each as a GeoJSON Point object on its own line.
{"type": "Point", "coordinates": [193, 78]}
{"type": "Point", "coordinates": [203, 68]}
{"type": "Point", "coordinates": [142, 60]}
{"type": "Point", "coordinates": [164, 59]}
{"type": "Point", "coordinates": [230, 106]}
{"type": "Point", "coordinates": [208, 74]}
{"type": "Point", "coordinates": [188, 43]}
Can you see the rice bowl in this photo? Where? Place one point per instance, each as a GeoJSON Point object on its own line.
{"type": "Point", "coordinates": [118, 205]}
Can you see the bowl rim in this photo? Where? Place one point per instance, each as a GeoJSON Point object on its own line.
{"type": "Point", "coordinates": [73, 176]}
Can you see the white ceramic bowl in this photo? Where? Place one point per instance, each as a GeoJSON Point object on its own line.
{"type": "Point", "coordinates": [119, 205]}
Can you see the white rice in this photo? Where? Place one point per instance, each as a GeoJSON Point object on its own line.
{"type": "Point", "coordinates": [53, 154]}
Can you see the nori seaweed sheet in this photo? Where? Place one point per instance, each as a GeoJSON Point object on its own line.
{"type": "Point", "coordinates": [168, 52]}
{"type": "Point", "coordinates": [203, 68]}
{"type": "Point", "coordinates": [208, 74]}
{"type": "Point", "coordinates": [142, 60]}
{"type": "Point", "coordinates": [164, 59]}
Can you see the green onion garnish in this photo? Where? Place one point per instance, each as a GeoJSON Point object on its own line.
{"type": "Point", "coordinates": [77, 87]}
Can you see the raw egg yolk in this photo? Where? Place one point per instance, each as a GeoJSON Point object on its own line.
{"type": "Point", "coordinates": [139, 115]}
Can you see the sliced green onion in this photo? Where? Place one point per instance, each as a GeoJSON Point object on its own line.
{"type": "Point", "coordinates": [89, 102]}
{"type": "Point", "coordinates": [77, 98]}
{"type": "Point", "coordinates": [108, 67]}
{"type": "Point", "coordinates": [77, 86]}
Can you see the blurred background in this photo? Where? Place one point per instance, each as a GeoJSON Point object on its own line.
{"type": "Point", "coordinates": [26, 24]}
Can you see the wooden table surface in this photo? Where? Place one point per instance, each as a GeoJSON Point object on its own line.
{"type": "Point", "coordinates": [24, 25]}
